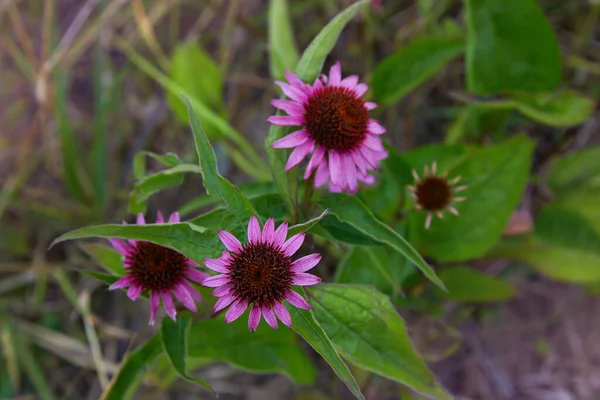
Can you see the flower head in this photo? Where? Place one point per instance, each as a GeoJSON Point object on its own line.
{"type": "Point", "coordinates": [435, 193]}
{"type": "Point", "coordinates": [159, 271]}
{"type": "Point", "coordinates": [336, 129]}
{"type": "Point", "coordinates": [261, 273]}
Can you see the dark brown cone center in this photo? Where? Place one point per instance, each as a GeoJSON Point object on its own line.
{"type": "Point", "coordinates": [156, 267]}
{"type": "Point", "coordinates": [434, 194]}
{"type": "Point", "coordinates": [336, 118]}
{"type": "Point", "coordinates": [261, 274]}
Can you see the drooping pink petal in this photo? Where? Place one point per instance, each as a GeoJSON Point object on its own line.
{"type": "Point", "coordinates": [335, 74]}
{"type": "Point", "coordinates": [159, 217]}
{"type": "Point", "coordinates": [154, 303]}
{"type": "Point", "coordinates": [253, 233]}
{"type": "Point", "coordinates": [369, 156]}
{"type": "Point", "coordinates": [350, 172]}
{"type": "Point", "coordinates": [298, 154]}
{"type": "Point", "coordinates": [222, 290]}
{"type": "Point", "coordinates": [349, 81]}
{"type": "Point", "coordinates": [369, 105]}
{"type": "Point", "coordinates": [217, 265]}
{"type": "Point", "coordinates": [230, 241]}
{"type": "Point", "coordinates": [168, 304]}
{"type": "Point", "coordinates": [305, 263]}
{"type": "Point", "coordinates": [134, 291]}
{"type": "Point", "coordinates": [254, 318]}
{"type": "Point", "coordinates": [123, 282]}
{"type": "Point", "coordinates": [297, 300]}
{"type": "Point", "coordinates": [223, 302]}
{"type": "Point", "coordinates": [297, 82]}
{"type": "Point", "coordinates": [359, 161]}
{"type": "Point", "coordinates": [290, 107]}
{"type": "Point", "coordinates": [335, 168]}
{"type": "Point", "coordinates": [226, 257]}
{"type": "Point", "coordinates": [292, 92]}
{"type": "Point", "coordinates": [283, 314]}
{"type": "Point", "coordinates": [140, 219]}
{"type": "Point", "coordinates": [174, 217]}
{"type": "Point", "coordinates": [268, 231]}
{"type": "Point", "coordinates": [335, 189]}
{"type": "Point", "coordinates": [216, 281]}
{"type": "Point", "coordinates": [287, 120]}
{"type": "Point", "coordinates": [361, 89]}
{"type": "Point", "coordinates": [315, 160]}
{"type": "Point", "coordinates": [194, 275]}
{"type": "Point", "coordinates": [304, 279]}
{"type": "Point", "coordinates": [293, 244]}
{"type": "Point", "coordinates": [373, 142]}
{"type": "Point", "coordinates": [280, 235]}
{"type": "Point", "coordinates": [292, 140]}
{"type": "Point", "coordinates": [375, 127]}
{"type": "Point", "coordinates": [185, 297]}
{"type": "Point", "coordinates": [237, 308]}
{"type": "Point", "coordinates": [192, 263]}
{"type": "Point", "coordinates": [322, 176]}
{"type": "Point", "coordinates": [270, 317]}
{"type": "Point", "coordinates": [119, 246]}
{"type": "Point", "coordinates": [191, 290]}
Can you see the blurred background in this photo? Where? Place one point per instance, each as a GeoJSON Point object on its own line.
{"type": "Point", "coordinates": [82, 91]}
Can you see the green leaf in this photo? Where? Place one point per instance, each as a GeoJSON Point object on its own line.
{"type": "Point", "coordinates": [574, 170]}
{"type": "Point", "coordinates": [107, 257]}
{"type": "Point", "coordinates": [472, 121]}
{"type": "Point", "coordinates": [125, 382]}
{"type": "Point", "coordinates": [567, 228]}
{"type": "Point", "coordinates": [334, 229]}
{"type": "Point", "coordinates": [386, 196]}
{"type": "Point", "coordinates": [167, 159]}
{"type": "Point", "coordinates": [510, 46]}
{"type": "Point", "coordinates": [306, 226]}
{"type": "Point", "coordinates": [214, 183]}
{"type": "Point", "coordinates": [265, 351]}
{"type": "Point", "coordinates": [406, 69]}
{"type": "Point", "coordinates": [282, 47]}
{"type": "Point", "coordinates": [496, 177]}
{"type": "Point", "coordinates": [174, 340]}
{"type": "Point", "coordinates": [367, 330]}
{"type": "Point", "coordinates": [305, 325]}
{"type": "Point", "coordinates": [352, 211]}
{"type": "Point", "coordinates": [465, 284]}
{"type": "Point", "coordinates": [106, 278]}
{"type": "Point", "coordinates": [190, 240]}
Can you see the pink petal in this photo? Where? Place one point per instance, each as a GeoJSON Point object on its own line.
{"type": "Point", "coordinates": [223, 302]}
{"type": "Point", "coordinates": [287, 120]}
{"type": "Point", "coordinates": [236, 309]}
{"type": "Point", "coordinates": [296, 82]}
{"type": "Point", "coordinates": [154, 303]}
{"type": "Point", "coordinates": [315, 160]}
{"type": "Point", "coordinates": [335, 74]}
{"type": "Point", "coordinates": [254, 318]}
{"type": "Point", "coordinates": [253, 232]}
{"type": "Point", "coordinates": [168, 304]}
{"type": "Point", "coordinates": [226, 257]}
{"type": "Point", "coordinates": [192, 263]}
{"type": "Point", "coordinates": [119, 246]}
{"type": "Point", "coordinates": [369, 105]}
{"type": "Point", "coordinates": [290, 107]}
{"type": "Point", "coordinates": [298, 154]}
{"type": "Point", "coordinates": [191, 290]}
{"type": "Point", "coordinates": [270, 317]}
{"type": "Point", "coordinates": [134, 291]}
{"type": "Point", "coordinates": [305, 263]}
{"type": "Point", "coordinates": [335, 169]}
{"type": "Point", "coordinates": [123, 282]}
{"type": "Point", "coordinates": [361, 89]}
{"type": "Point", "coordinates": [292, 140]}
{"type": "Point", "coordinates": [140, 219]}
{"type": "Point", "coordinates": [194, 275]}
{"type": "Point", "coordinates": [216, 281]}
{"type": "Point", "coordinates": [280, 235]}
{"type": "Point", "coordinates": [350, 171]}
{"type": "Point", "coordinates": [221, 291]}
{"type": "Point", "coordinates": [267, 233]}
{"type": "Point", "coordinates": [375, 127]}
{"type": "Point", "coordinates": [303, 279]}
{"type": "Point", "coordinates": [292, 92]}
{"type": "Point", "coordinates": [360, 162]}
{"type": "Point", "coordinates": [159, 218]}
{"type": "Point", "coordinates": [182, 294]}
{"type": "Point", "coordinates": [369, 156]}
{"type": "Point", "coordinates": [230, 241]}
{"type": "Point", "coordinates": [349, 82]}
{"type": "Point", "coordinates": [216, 265]}
{"type": "Point", "coordinates": [335, 189]}
{"type": "Point", "coordinates": [283, 314]}
{"type": "Point", "coordinates": [322, 176]}
{"type": "Point", "coordinates": [293, 244]}
{"type": "Point", "coordinates": [373, 142]}
{"type": "Point", "coordinates": [369, 179]}
{"type": "Point", "coordinates": [174, 217]}
{"type": "Point", "coordinates": [297, 300]}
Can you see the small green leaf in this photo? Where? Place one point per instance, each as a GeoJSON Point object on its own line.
{"type": "Point", "coordinates": [167, 159]}
{"type": "Point", "coordinates": [282, 47]}
{"type": "Point", "coordinates": [214, 183]}
{"type": "Point", "coordinates": [125, 382]}
{"type": "Point", "coordinates": [174, 339]}
{"type": "Point", "coordinates": [305, 325]}
{"type": "Point", "coordinates": [510, 46]}
{"type": "Point", "coordinates": [367, 330]}
{"type": "Point", "coordinates": [305, 226]}
{"type": "Point", "coordinates": [352, 211]}
{"type": "Point", "coordinates": [108, 258]}
{"type": "Point", "coordinates": [574, 170]}
{"type": "Point", "coordinates": [334, 229]}
{"type": "Point", "coordinates": [190, 240]}
{"type": "Point", "coordinates": [410, 66]}
{"type": "Point", "coordinates": [465, 284]}
{"type": "Point", "coordinates": [567, 228]}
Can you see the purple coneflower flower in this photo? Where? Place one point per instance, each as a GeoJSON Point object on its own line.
{"type": "Point", "coordinates": [158, 270]}
{"type": "Point", "coordinates": [336, 129]}
{"type": "Point", "coordinates": [261, 273]}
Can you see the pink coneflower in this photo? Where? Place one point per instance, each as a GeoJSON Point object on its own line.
{"type": "Point", "coordinates": [158, 270]}
{"type": "Point", "coordinates": [261, 273]}
{"type": "Point", "coordinates": [336, 129]}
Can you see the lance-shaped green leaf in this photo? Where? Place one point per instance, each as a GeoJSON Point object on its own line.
{"type": "Point", "coordinates": [107, 257]}
{"type": "Point", "coordinates": [367, 330]}
{"type": "Point", "coordinates": [305, 226]}
{"type": "Point", "coordinates": [352, 211]}
{"type": "Point", "coordinates": [574, 170]}
{"type": "Point", "coordinates": [465, 284]}
{"type": "Point", "coordinates": [282, 47]}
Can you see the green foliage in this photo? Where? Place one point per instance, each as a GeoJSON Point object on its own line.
{"type": "Point", "coordinates": [510, 46]}
{"type": "Point", "coordinates": [282, 48]}
{"type": "Point", "coordinates": [108, 258]}
{"type": "Point", "coordinates": [465, 284]}
{"type": "Point", "coordinates": [577, 169]}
